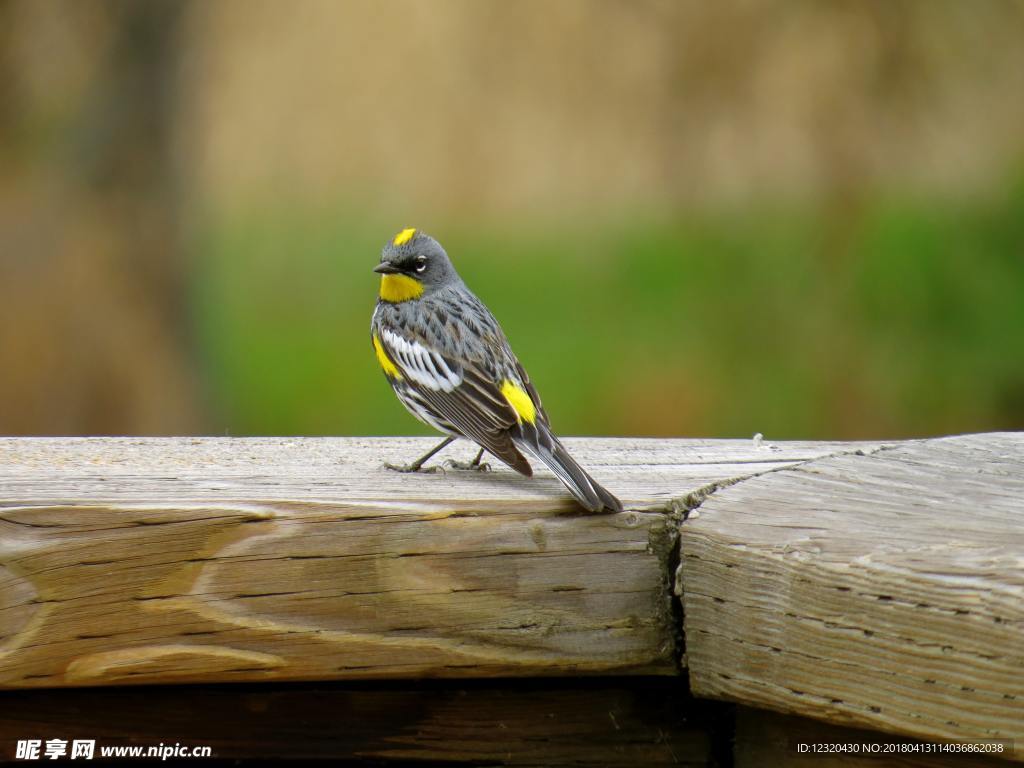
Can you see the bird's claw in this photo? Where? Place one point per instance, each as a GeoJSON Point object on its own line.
{"type": "Point", "coordinates": [482, 466]}
{"type": "Point", "coordinates": [410, 468]}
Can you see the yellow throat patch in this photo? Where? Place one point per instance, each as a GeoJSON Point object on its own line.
{"type": "Point", "coordinates": [404, 236]}
{"type": "Point", "coordinates": [397, 288]}
{"type": "Point", "coordinates": [519, 400]}
{"type": "Point", "coordinates": [390, 369]}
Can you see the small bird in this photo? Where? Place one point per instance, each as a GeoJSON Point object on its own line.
{"type": "Point", "coordinates": [451, 366]}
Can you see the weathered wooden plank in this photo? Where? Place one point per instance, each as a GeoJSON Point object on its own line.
{"type": "Point", "coordinates": [883, 590]}
{"type": "Point", "coordinates": [645, 473]}
{"type": "Point", "coordinates": [570, 722]}
{"type": "Point", "coordinates": [217, 559]}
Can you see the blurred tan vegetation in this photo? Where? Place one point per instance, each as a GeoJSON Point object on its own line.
{"type": "Point", "coordinates": [799, 218]}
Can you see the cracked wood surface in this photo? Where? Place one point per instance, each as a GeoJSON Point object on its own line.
{"type": "Point", "coordinates": [870, 585]}
{"type": "Point", "coordinates": [218, 559]}
{"type": "Point", "coordinates": [883, 590]}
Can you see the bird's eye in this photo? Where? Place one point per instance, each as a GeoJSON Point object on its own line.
{"type": "Point", "coordinates": [421, 264]}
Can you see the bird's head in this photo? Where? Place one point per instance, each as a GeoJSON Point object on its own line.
{"type": "Point", "coordinates": [412, 264]}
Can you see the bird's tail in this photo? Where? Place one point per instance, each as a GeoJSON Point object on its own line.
{"type": "Point", "coordinates": [588, 492]}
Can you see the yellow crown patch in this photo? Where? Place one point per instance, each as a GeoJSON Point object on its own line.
{"type": "Point", "coordinates": [404, 236]}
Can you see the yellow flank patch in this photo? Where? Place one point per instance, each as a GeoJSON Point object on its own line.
{"type": "Point", "coordinates": [404, 236]}
{"type": "Point", "coordinates": [519, 400]}
{"type": "Point", "coordinates": [390, 369]}
{"type": "Point", "coordinates": [396, 288]}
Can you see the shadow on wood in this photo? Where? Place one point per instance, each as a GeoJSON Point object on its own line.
{"type": "Point", "coordinates": [612, 722]}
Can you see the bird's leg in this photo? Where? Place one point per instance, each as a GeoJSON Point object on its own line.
{"type": "Point", "coordinates": [474, 464]}
{"type": "Point", "coordinates": [417, 465]}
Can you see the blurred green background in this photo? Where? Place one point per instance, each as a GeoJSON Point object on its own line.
{"type": "Point", "coordinates": [797, 218]}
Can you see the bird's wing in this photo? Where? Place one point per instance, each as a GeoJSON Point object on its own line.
{"type": "Point", "coordinates": [461, 392]}
{"type": "Point", "coordinates": [542, 415]}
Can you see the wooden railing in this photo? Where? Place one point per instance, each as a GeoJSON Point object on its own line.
{"type": "Point", "coordinates": [877, 585]}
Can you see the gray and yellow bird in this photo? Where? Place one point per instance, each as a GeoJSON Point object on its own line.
{"type": "Point", "coordinates": [450, 364]}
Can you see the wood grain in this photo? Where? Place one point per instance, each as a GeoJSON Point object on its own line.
{"type": "Point", "coordinates": [219, 559]}
{"type": "Point", "coordinates": [882, 590]}
{"type": "Point", "coordinates": [879, 586]}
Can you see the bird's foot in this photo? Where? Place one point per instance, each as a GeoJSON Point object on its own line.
{"type": "Point", "coordinates": [478, 466]}
{"type": "Point", "coordinates": [414, 467]}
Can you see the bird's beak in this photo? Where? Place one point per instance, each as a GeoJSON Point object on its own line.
{"type": "Point", "coordinates": [386, 268]}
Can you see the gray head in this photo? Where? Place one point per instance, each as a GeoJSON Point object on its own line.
{"type": "Point", "coordinates": [416, 255]}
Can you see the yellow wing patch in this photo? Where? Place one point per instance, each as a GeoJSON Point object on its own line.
{"type": "Point", "coordinates": [519, 400]}
{"type": "Point", "coordinates": [390, 369]}
{"type": "Point", "coordinates": [404, 236]}
{"type": "Point", "coordinates": [397, 288]}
